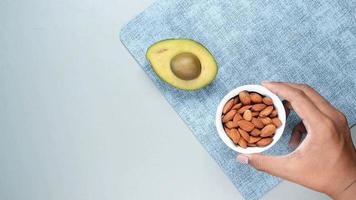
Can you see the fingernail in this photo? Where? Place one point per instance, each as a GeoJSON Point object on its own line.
{"type": "Point", "coordinates": [242, 159]}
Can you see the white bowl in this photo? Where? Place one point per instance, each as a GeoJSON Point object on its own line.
{"type": "Point", "coordinates": [263, 91]}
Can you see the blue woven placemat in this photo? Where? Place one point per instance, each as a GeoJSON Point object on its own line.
{"type": "Point", "coordinates": [309, 41]}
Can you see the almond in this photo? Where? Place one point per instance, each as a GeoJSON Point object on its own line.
{"type": "Point", "coordinates": [227, 130]}
{"type": "Point", "coordinates": [266, 120]}
{"type": "Point", "coordinates": [258, 107]}
{"type": "Point", "coordinates": [265, 112]}
{"type": "Point", "coordinates": [267, 101]}
{"type": "Point", "coordinates": [237, 117]}
{"type": "Point", "coordinates": [245, 98]}
{"type": "Point", "coordinates": [274, 113]}
{"type": "Point", "coordinates": [255, 114]}
{"type": "Point", "coordinates": [252, 145]}
{"type": "Point", "coordinates": [244, 134]}
{"type": "Point", "coordinates": [250, 120]}
{"type": "Point", "coordinates": [254, 139]}
{"type": "Point", "coordinates": [231, 124]}
{"type": "Point", "coordinates": [229, 116]}
{"type": "Point", "coordinates": [268, 130]}
{"type": "Point", "coordinates": [264, 142]}
{"type": "Point", "coordinates": [256, 98]}
{"type": "Point", "coordinates": [257, 122]}
{"type": "Point", "coordinates": [242, 143]}
{"type": "Point", "coordinates": [237, 106]}
{"type": "Point", "coordinates": [237, 100]}
{"type": "Point", "coordinates": [255, 132]}
{"type": "Point", "coordinates": [246, 125]}
{"type": "Point", "coordinates": [243, 109]}
{"type": "Point", "coordinates": [247, 115]}
{"type": "Point", "coordinates": [228, 106]}
{"type": "Point", "coordinates": [233, 135]}
{"type": "Point", "coordinates": [277, 122]}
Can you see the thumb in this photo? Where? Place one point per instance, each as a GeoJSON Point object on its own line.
{"type": "Point", "coordinates": [275, 165]}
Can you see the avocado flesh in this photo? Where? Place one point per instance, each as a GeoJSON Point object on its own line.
{"type": "Point", "coordinates": [182, 63]}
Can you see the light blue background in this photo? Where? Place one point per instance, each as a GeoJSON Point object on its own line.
{"type": "Point", "coordinates": [79, 119]}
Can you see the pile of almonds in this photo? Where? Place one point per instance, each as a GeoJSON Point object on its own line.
{"type": "Point", "coordinates": [250, 120]}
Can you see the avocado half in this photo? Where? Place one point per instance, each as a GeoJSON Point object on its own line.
{"type": "Point", "coordinates": [182, 63]}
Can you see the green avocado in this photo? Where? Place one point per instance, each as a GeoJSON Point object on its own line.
{"type": "Point", "coordinates": [182, 63]}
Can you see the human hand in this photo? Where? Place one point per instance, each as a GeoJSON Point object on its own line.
{"type": "Point", "coordinates": [326, 159]}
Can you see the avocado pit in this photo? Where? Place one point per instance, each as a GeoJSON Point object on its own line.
{"type": "Point", "coordinates": [186, 66]}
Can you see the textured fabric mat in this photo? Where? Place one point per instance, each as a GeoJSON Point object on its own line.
{"type": "Point", "coordinates": [305, 41]}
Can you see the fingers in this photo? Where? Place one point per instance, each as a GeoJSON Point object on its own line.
{"type": "Point", "coordinates": [318, 100]}
{"type": "Point", "coordinates": [287, 107]}
{"type": "Point", "coordinates": [275, 165]}
{"type": "Point", "coordinates": [297, 134]}
{"type": "Point", "coordinates": [300, 102]}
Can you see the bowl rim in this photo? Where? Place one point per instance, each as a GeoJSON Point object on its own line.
{"type": "Point", "coordinates": [277, 103]}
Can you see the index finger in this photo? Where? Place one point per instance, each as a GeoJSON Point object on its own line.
{"type": "Point", "coordinates": [300, 102]}
{"type": "Point", "coordinates": [319, 101]}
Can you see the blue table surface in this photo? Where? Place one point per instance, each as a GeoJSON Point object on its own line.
{"type": "Point", "coordinates": [80, 120]}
